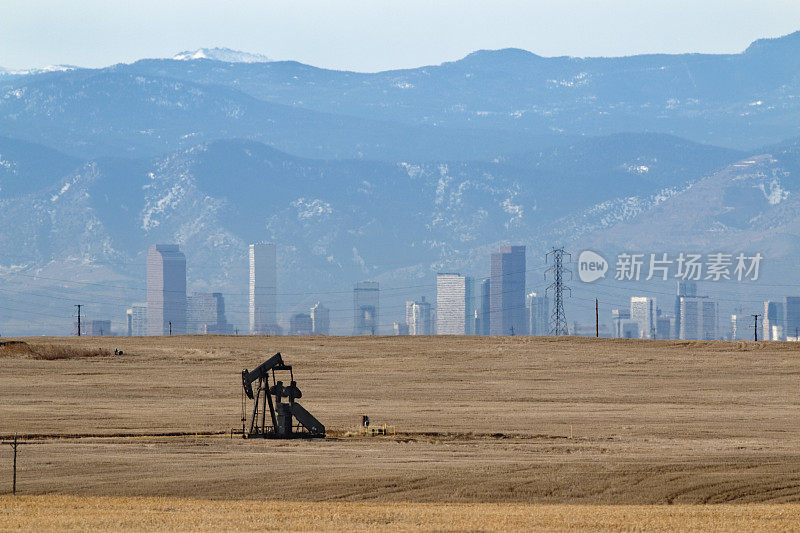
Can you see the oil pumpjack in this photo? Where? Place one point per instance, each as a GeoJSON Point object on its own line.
{"type": "Point", "coordinates": [282, 414]}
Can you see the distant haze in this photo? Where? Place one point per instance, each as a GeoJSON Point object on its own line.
{"type": "Point", "coordinates": [378, 35]}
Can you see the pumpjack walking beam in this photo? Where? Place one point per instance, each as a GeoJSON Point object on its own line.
{"type": "Point", "coordinates": [281, 414]}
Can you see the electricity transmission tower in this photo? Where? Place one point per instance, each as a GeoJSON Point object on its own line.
{"type": "Point", "coordinates": [558, 320]}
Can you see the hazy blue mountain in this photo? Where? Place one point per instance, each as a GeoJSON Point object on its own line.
{"type": "Point", "coordinates": [113, 112]}
{"type": "Point", "coordinates": [486, 105]}
{"type": "Point", "coordinates": [739, 100]}
{"type": "Point", "coordinates": [27, 167]}
{"type": "Point", "coordinates": [590, 170]}
{"type": "Point", "coordinates": [247, 183]}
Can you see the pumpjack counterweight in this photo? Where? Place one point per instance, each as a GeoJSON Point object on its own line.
{"type": "Point", "coordinates": [267, 391]}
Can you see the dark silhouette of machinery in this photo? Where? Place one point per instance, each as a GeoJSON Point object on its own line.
{"type": "Point", "coordinates": [282, 413]}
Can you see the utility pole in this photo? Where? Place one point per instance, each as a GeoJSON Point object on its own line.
{"type": "Point", "coordinates": [596, 319]}
{"type": "Point", "coordinates": [14, 444]}
{"type": "Point", "coordinates": [79, 318]}
{"type": "Point", "coordinates": [755, 327]}
{"type": "Point", "coordinates": [558, 320]}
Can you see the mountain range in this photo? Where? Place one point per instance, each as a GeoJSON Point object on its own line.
{"type": "Point", "coordinates": [390, 176]}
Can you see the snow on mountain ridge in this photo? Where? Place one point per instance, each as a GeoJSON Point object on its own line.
{"type": "Point", "coordinates": [39, 70]}
{"type": "Point", "coordinates": [221, 54]}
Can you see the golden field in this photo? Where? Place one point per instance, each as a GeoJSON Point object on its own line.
{"type": "Point", "coordinates": [65, 513]}
{"type": "Point", "coordinates": [492, 433]}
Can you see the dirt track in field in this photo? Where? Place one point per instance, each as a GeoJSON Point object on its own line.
{"type": "Point", "coordinates": [479, 420]}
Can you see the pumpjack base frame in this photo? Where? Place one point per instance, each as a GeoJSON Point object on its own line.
{"type": "Point", "coordinates": [293, 435]}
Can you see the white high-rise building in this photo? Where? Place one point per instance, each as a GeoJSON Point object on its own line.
{"type": "Point", "coordinates": [137, 320]}
{"type": "Point", "coordinates": [772, 318]}
{"type": "Point", "coordinates": [699, 318]}
{"type": "Point", "coordinates": [263, 288]}
{"type": "Point", "coordinates": [166, 290]}
{"type": "Point", "coordinates": [418, 317]}
{"type": "Point", "coordinates": [741, 327]}
{"type": "Point", "coordinates": [643, 312]}
{"type": "Point", "coordinates": [455, 306]}
{"type": "Point", "coordinates": [320, 319]}
{"type": "Point", "coordinates": [538, 314]}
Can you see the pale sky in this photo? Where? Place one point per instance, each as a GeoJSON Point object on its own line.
{"type": "Point", "coordinates": [371, 35]}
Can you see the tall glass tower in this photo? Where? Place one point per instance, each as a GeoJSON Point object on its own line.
{"type": "Point", "coordinates": [507, 314]}
{"type": "Point", "coordinates": [263, 288]}
{"type": "Point", "coordinates": [166, 290]}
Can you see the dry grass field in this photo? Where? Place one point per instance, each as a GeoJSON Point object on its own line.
{"type": "Point", "coordinates": [480, 420]}
{"type": "Point", "coordinates": [72, 513]}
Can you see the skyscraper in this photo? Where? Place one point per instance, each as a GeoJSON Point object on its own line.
{"type": "Point", "coordinates": [366, 308]}
{"type": "Point", "coordinates": [699, 318]}
{"type": "Point", "coordinates": [97, 328]}
{"type": "Point", "coordinates": [620, 318]}
{"type": "Point", "coordinates": [166, 290]}
{"type": "Point", "coordinates": [137, 320]}
{"type": "Point", "coordinates": [664, 325]}
{"type": "Point", "coordinates": [507, 292]}
{"type": "Point", "coordinates": [485, 311]}
{"type": "Point", "coordinates": [684, 289]}
{"type": "Point", "coordinates": [320, 319]}
{"type": "Point", "coordinates": [418, 317]}
{"type": "Point", "coordinates": [400, 329]}
{"type": "Point", "coordinates": [301, 324]}
{"type": "Point", "coordinates": [205, 314]}
{"type": "Point", "coordinates": [454, 304]}
{"type": "Point", "coordinates": [772, 318]}
{"type": "Point", "coordinates": [742, 326]}
{"type": "Point", "coordinates": [643, 312]}
{"type": "Point", "coordinates": [538, 314]}
{"type": "Point", "coordinates": [791, 313]}
{"type": "Point", "coordinates": [263, 287]}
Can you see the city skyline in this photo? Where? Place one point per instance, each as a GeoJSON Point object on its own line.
{"type": "Point", "coordinates": [708, 320]}
{"type": "Point", "coordinates": [701, 316]}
